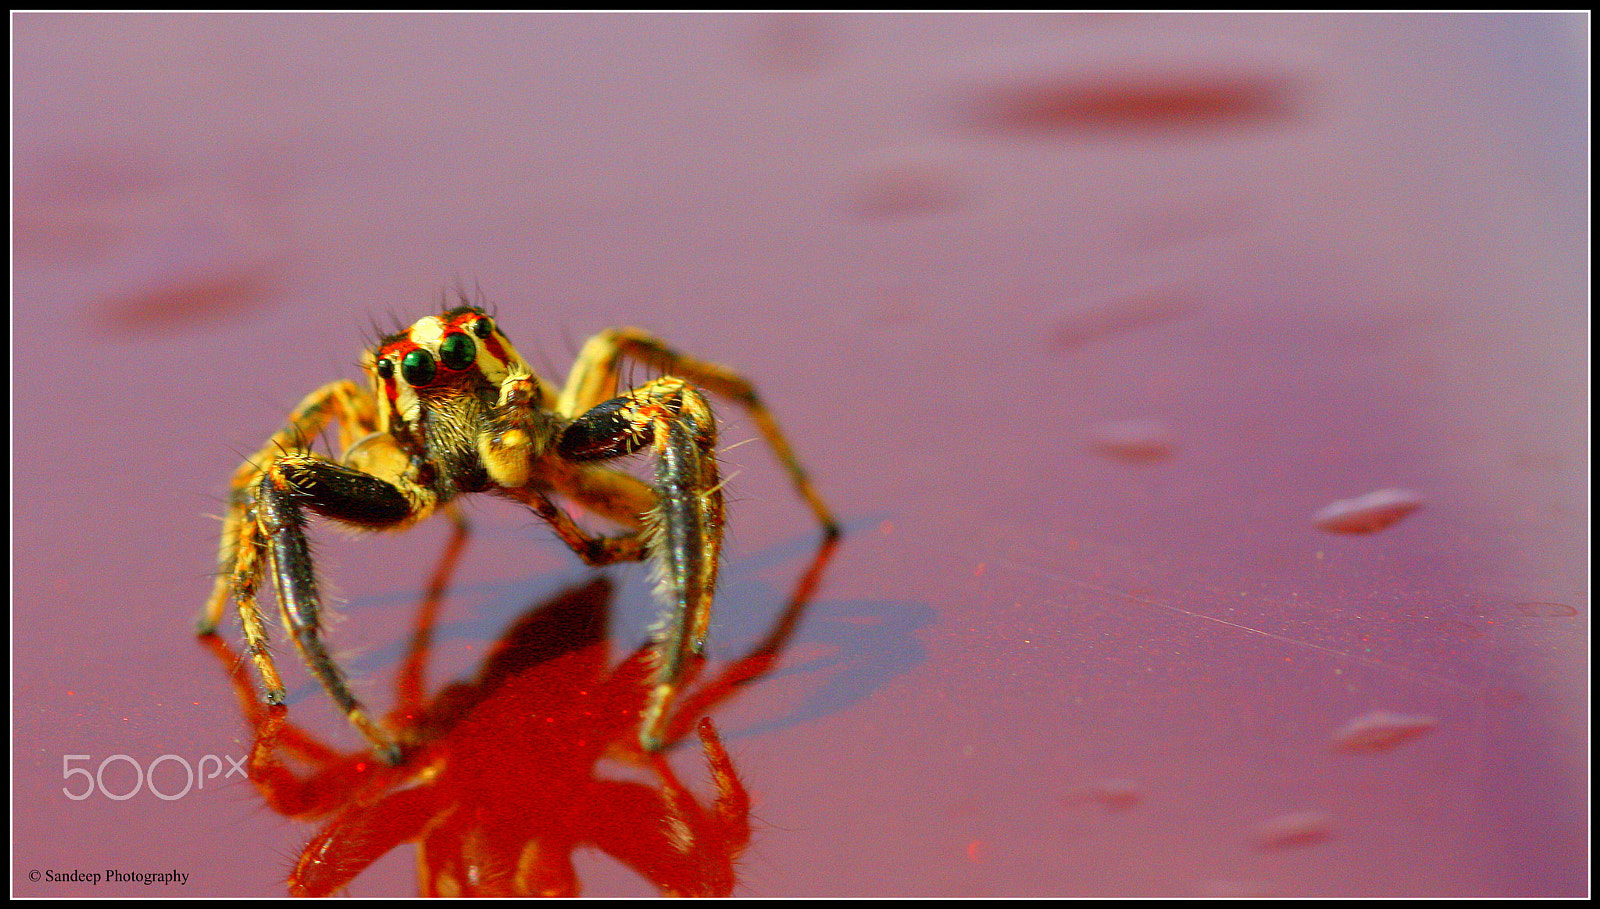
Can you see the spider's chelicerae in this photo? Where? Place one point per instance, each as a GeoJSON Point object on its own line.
{"type": "Point", "coordinates": [454, 409]}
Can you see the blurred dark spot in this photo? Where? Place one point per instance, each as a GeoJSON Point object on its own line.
{"type": "Point", "coordinates": [788, 43]}
{"type": "Point", "coordinates": [1152, 102]}
{"type": "Point", "coordinates": [1186, 221]}
{"type": "Point", "coordinates": [1537, 461]}
{"type": "Point", "coordinates": [1113, 796]}
{"type": "Point", "coordinates": [897, 304]}
{"type": "Point", "coordinates": [905, 188]}
{"type": "Point", "coordinates": [1459, 629]}
{"type": "Point", "coordinates": [1540, 610]}
{"type": "Point", "coordinates": [92, 176]}
{"type": "Point", "coordinates": [60, 237]}
{"type": "Point", "coordinates": [1500, 696]}
{"type": "Point", "coordinates": [76, 208]}
{"type": "Point", "coordinates": [196, 299]}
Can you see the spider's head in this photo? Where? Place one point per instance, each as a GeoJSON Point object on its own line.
{"type": "Point", "coordinates": [449, 362]}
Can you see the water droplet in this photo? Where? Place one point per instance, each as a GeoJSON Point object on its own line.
{"type": "Point", "coordinates": [1119, 310]}
{"type": "Point", "coordinates": [1132, 440]}
{"type": "Point", "coordinates": [1381, 730]}
{"type": "Point", "coordinates": [1294, 830]}
{"type": "Point", "coordinates": [1369, 513]}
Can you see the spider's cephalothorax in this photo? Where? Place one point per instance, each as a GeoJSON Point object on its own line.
{"type": "Point", "coordinates": [455, 409]}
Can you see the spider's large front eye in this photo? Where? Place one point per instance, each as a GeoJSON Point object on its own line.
{"type": "Point", "coordinates": [418, 368]}
{"type": "Point", "coordinates": [457, 351]}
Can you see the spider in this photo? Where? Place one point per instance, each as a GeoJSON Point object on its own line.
{"type": "Point", "coordinates": [454, 409]}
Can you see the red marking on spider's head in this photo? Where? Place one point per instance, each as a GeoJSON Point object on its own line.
{"type": "Point", "coordinates": [460, 351]}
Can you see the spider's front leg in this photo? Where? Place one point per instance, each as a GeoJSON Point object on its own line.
{"type": "Point", "coordinates": [290, 486]}
{"type": "Point", "coordinates": [683, 529]}
{"type": "Point", "coordinates": [264, 531]}
{"type": "Point", "coordinates": [342, 404]}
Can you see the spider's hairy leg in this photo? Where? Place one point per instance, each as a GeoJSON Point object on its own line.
{"type": "Point", "coordinates": [245, 578]}
{"type": "Point", "coordinates": [594, 379]}
{"type": "Point", "coordinates": [594, 549]}
{"type": "Point", "coordinates": [684, 529]}
{"type": "Point", "coordinates": [343, 403]}
{"type": "Point", "coordinates": [291, 485]}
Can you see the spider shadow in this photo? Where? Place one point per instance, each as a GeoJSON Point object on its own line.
{"type": "Point", "coordinates": [844, 649]}
{"type": "Point", "coordinates": [502, 777]}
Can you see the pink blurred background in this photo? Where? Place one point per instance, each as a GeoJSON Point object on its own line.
{"type": "Point", "coordinates": [1078, 320]}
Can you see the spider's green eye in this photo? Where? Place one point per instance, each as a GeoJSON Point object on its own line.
{"type": "Point", "coordinates": [418, 368]}
{"type": "Point", "coordinates": [457, 351]}
{"type": "Point", "coordinates": [484, 327]}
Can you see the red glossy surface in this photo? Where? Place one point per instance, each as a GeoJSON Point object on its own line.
{"type": "Point", "coordinates": [1303, 258]}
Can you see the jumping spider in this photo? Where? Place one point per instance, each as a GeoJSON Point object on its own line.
{"type": "Point", "coordinates": [454, 409]}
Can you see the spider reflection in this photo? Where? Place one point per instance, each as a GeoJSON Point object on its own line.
{"type": "Point", "coordinates": [501, 781]}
